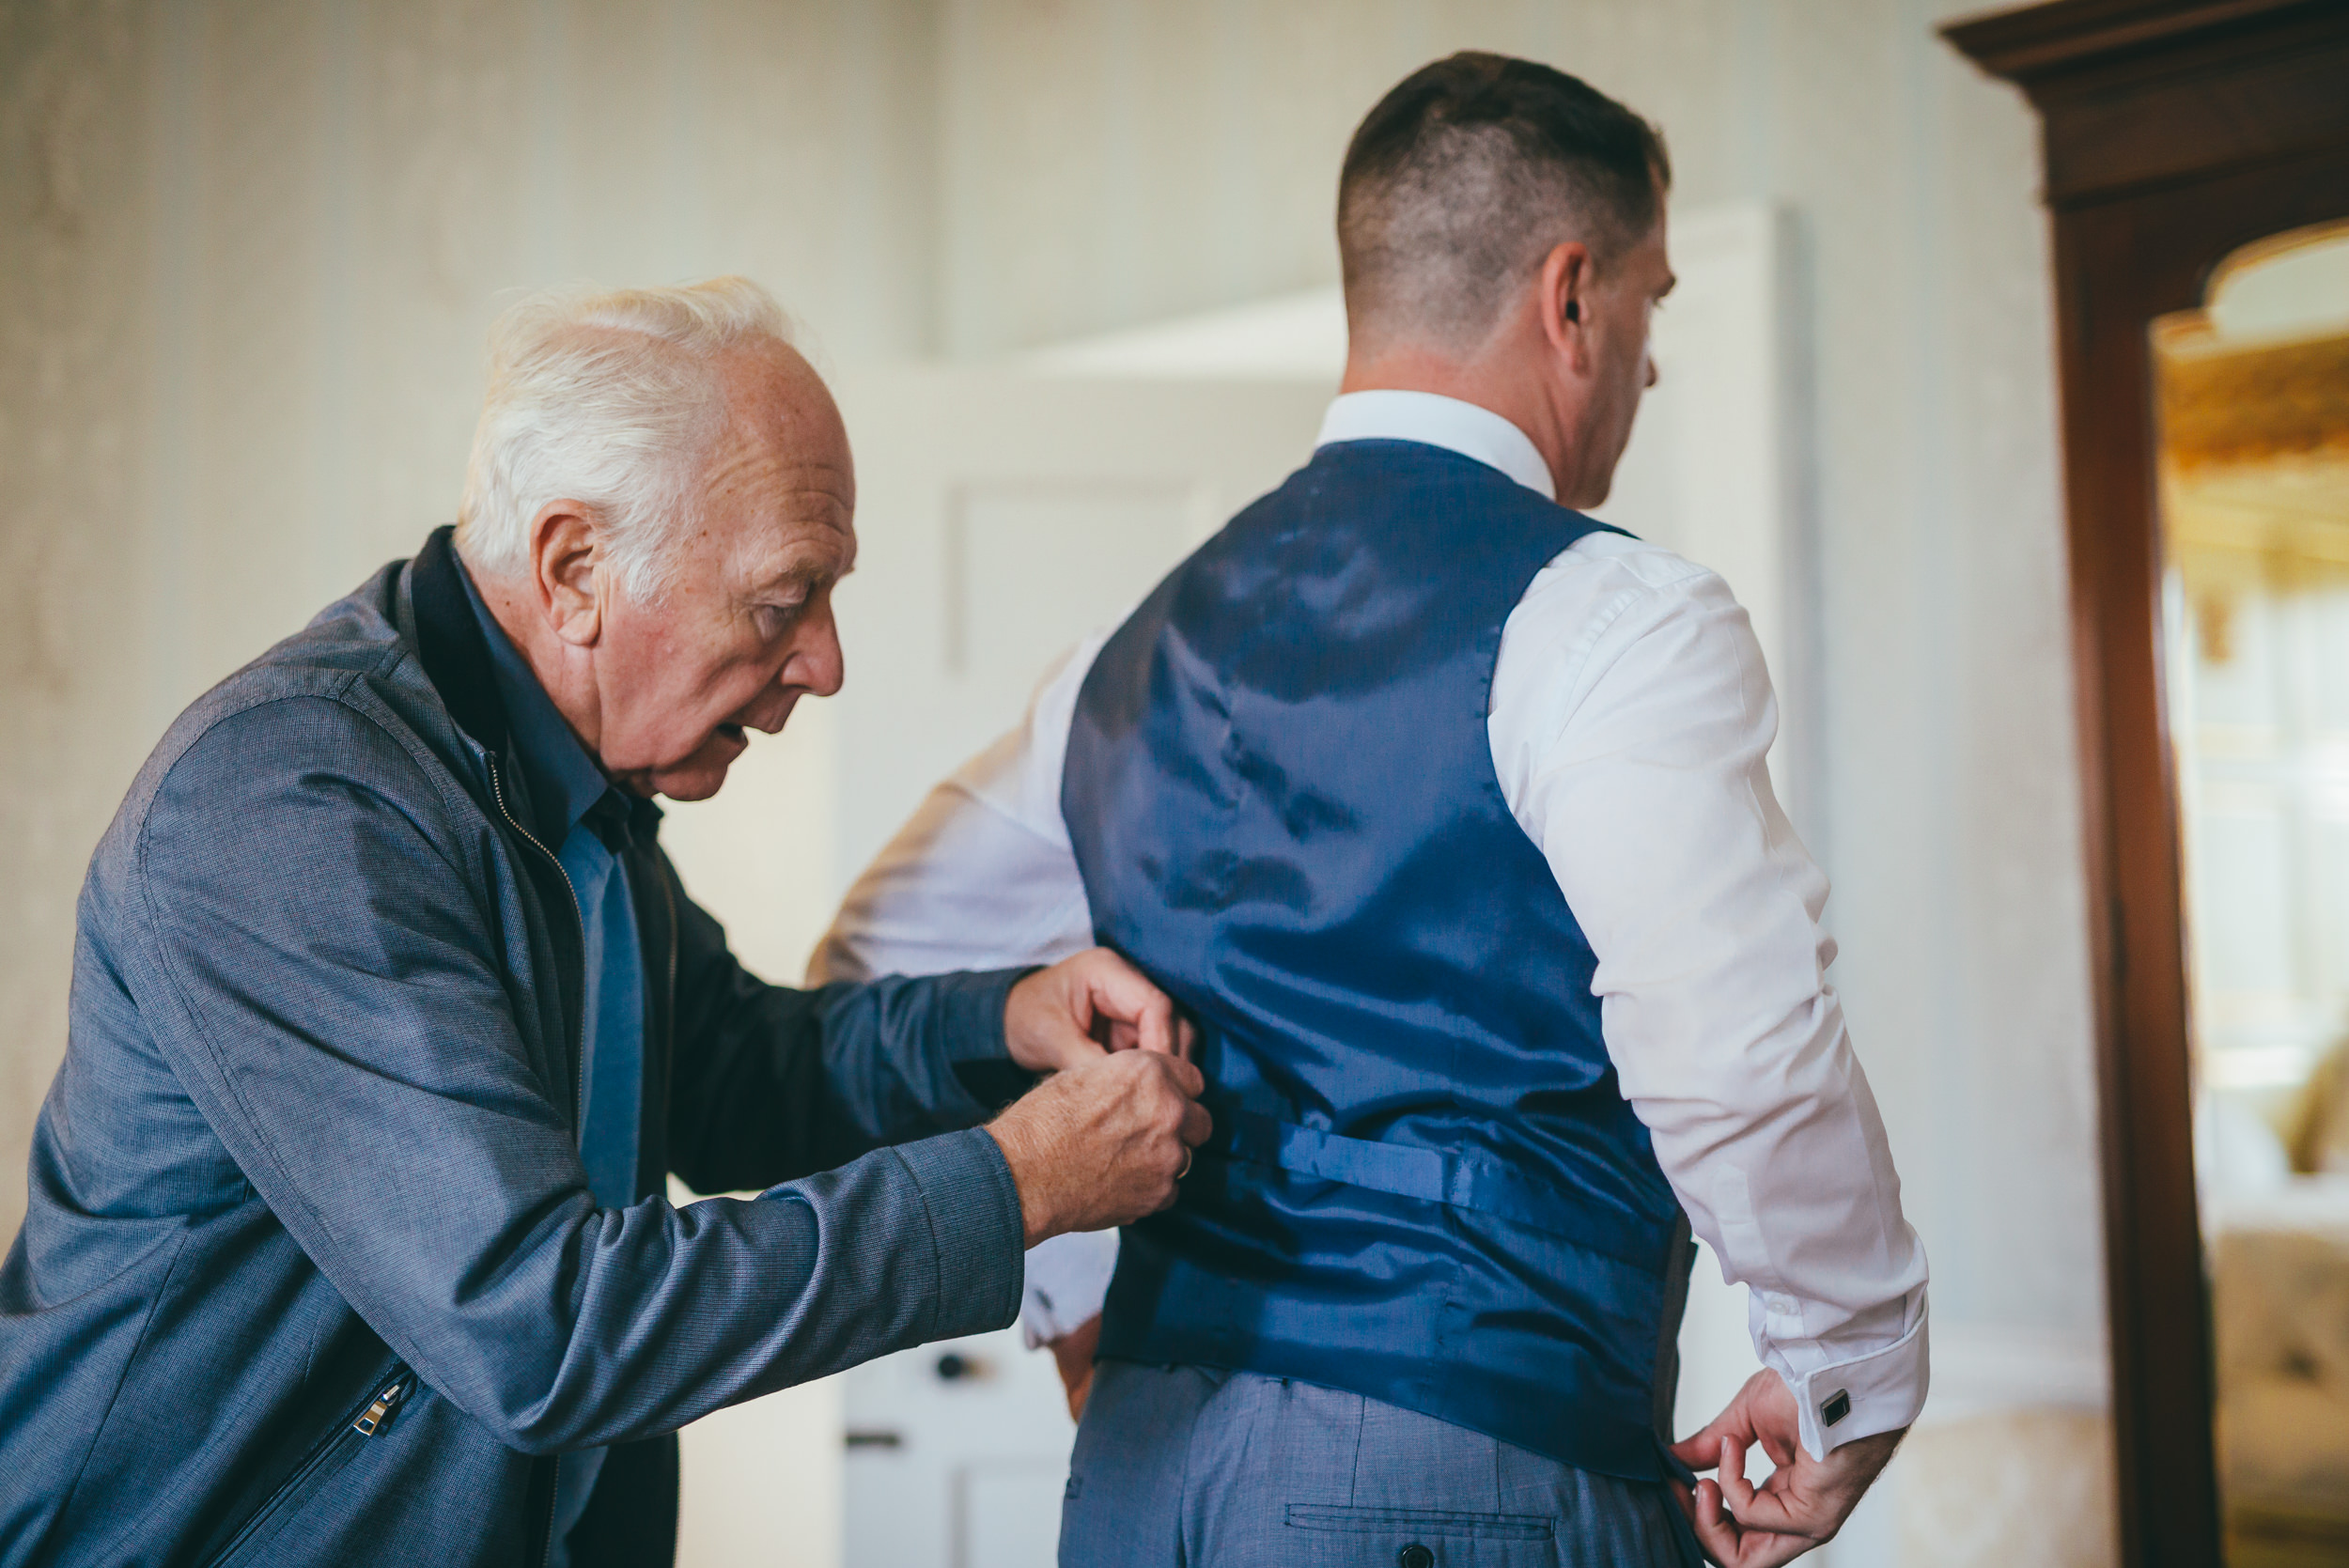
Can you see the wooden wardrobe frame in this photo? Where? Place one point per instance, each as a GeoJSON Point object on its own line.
{"type": "Point", "coordinates": [2174, 132]}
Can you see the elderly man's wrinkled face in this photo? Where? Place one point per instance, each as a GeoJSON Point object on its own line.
{"type": "Point", "coordinates": [746, 627]}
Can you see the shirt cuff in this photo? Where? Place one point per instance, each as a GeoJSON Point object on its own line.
{"type": "Point", "coordinates": [1881, 1391]}
{"type": "Point", "coordinates": [972, 1017]}
{"type": "Point", "coordinates": [972, 1012]}
{"type": "Point", "coordinates": [975, 1234]}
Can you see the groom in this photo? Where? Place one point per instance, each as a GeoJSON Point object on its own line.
{"type": "Point", "coordinates": [1442, 809]}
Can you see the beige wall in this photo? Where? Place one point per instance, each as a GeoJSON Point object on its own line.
{"type": "Point", "coordinates": [75, 447]}
{"type": "Point", "coordinates": [247, 252]}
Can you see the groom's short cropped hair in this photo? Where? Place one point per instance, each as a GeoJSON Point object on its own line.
{"type": "Point", "coordinates": [1466, 176]}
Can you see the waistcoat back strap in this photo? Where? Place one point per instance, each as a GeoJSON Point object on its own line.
{"type": "Point", "coordinates": [1467, 1179]}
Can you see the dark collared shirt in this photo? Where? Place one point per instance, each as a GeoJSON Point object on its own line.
{"type": "Point", "coordinates": [570, 799]}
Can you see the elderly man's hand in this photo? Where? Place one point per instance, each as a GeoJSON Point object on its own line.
{"type": "Point", "coordinates": [1104, 1143]}
{"type": "Point", "coordinates": [1104, 1139]}
{"type": "Point", "coordinates": [1072, 1013]}
{"type": "Point", "coordinates": [1802, 1504]}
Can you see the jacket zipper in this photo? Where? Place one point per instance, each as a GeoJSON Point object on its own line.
{"type": "Point", "coordinates": [372, 1418]}
{"type": "Point", "coordinates": [366, 1421]}
{"type": "Point", "coordinates": [669, 899]}
{"type": "Point", "coordinates": [579, 1054]}
{"type": "Point", "coordinates": [668, 1011]}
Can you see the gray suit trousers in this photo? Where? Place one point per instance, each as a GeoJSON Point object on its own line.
{"type": "Point", "coordinates": [1196, 1468]}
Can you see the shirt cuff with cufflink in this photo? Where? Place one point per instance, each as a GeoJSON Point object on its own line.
{"type": "Point", "coordinates": [1881, 1391]}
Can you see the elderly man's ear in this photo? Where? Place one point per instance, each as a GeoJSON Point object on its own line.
{"type": "Point", "coordinates": [565, 548]}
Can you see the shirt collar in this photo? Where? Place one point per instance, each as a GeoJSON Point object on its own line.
{"type": "Point", "coordinates": [1435, 420]}
{"type": "Point", "coordinates": [565, 780]}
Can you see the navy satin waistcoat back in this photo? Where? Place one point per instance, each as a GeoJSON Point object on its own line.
{"type": "Point", "coordinates": [1425, 1186]}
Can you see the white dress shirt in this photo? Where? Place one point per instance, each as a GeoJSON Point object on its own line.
{"type": "Point", "coordinates": [1632, 717]}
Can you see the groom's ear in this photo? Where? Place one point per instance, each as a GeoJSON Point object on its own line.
{"type": "Point", "coordinates": [1561, 302]}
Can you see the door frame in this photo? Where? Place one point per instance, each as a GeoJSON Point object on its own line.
{"type": "Point", "coordinates": [2174, 132]}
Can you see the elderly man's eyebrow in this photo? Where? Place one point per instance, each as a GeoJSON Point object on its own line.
{"type": "Point", "coordinates": [801, 573]}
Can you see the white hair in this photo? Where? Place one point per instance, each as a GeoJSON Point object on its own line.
{"type": "Point", "coordinates": [610, 398]}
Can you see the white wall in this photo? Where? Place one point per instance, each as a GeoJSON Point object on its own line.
{"type": "Point", "coordinates": [247, 251]}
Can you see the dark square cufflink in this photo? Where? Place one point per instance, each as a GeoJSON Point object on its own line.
{"type": "Point", "coordinates": [1837, 1407]}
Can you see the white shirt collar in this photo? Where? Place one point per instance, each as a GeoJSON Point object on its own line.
{"type": "Point", "coordinates": [1436, 420]}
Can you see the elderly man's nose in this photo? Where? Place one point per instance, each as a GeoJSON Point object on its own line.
{"type": "Point", "coordinates": [817, 666]}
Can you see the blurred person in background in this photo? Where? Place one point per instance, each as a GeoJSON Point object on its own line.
{"type": "Point", "coordinates": [1443, 809]}
{"type": "Point", "coordinates": [390, 1020]}
{"type": "Point", "coordinates": [2316, 1117]}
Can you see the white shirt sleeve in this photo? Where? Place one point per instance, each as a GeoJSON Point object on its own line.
{"type": "Point", "coordinates": [1631, 723]}
{"type": "Point", "coordinates": [982, 876]}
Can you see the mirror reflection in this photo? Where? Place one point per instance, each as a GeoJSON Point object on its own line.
{"type": "Point", "coordinates": [2253, 407]}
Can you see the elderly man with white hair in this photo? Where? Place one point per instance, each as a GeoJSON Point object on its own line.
{"type": "Point", "coordinates": [347, 1237]}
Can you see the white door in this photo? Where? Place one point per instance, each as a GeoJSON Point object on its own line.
{"type": "Point", "coordinates": [1001, 517]}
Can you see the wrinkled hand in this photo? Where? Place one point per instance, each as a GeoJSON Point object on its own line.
{"type": "Point", "coordinates": [1802, 1504]}
{"type": "Point", "coordinates": [1081, 1007]}
{"type": "Point", "coordinates": [1103, 1144]}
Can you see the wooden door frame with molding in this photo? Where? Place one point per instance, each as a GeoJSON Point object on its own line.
{"type": "Point", "coordinates": [2175, 131]}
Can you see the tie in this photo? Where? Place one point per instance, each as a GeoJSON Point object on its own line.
{"type": "Point", "coordinates": [611, 820]}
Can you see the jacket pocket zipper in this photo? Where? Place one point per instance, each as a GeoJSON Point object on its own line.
{"type": "Point", "coordinates": [366, 1421]}
{"type": "Point", "coordinates": [378, 1412]}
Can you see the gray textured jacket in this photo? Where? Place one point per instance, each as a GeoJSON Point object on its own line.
{"type": "Point", "coordinates": [311, 1272]}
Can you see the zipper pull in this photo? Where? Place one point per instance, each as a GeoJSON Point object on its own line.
{"type": "Point", "coordinates": [370, 1423]}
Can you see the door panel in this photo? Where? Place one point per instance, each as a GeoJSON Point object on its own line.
{"type": "Point", "coordinates": [1002, 516]}
{"type": "Point", "coordinates": [957, 1454]}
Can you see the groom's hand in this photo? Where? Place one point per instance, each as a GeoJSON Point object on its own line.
{"type": "Point", "coordinates": [1803, 1502]}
